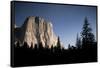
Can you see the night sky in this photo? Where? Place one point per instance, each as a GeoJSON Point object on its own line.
{"type": "Point", "coordinates": [67, 20]}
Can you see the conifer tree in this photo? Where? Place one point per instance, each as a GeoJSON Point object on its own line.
{"type": "Point", "coordinates": [58, 43]}
{"type": "Point", "coordinates": [78, 42]}
{"type": "Point", "coordinates": [87, 35]}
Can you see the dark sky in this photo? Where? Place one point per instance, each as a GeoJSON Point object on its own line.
{"type": "Point", "coordinates": [67, 20]}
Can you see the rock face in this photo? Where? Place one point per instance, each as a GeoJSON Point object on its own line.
{"type": "Point", "coordinates": [36, 30]}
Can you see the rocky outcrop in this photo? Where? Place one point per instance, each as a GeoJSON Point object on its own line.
{"type": "Point", "coordinates": [36, 30]}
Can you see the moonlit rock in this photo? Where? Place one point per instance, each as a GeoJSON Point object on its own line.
{"type": "Point", "coordinates": [36, 30]}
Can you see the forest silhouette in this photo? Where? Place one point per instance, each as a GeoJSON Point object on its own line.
{"type": "Point", "coordinates": [85, 50]}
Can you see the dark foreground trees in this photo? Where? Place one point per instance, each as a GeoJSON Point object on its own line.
{"type": "Point", "coordinates": [24, 56]}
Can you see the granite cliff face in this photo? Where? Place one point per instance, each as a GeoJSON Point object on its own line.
{"type": "Point", "coordinates": [36, 30]}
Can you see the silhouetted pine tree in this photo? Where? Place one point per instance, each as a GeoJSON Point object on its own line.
{"type": "Point", "coordinates": [40, 46]}
{"type": "Point", "coordinates": [17, 44]}
{"type": "Point", "coordinates": [78, 42]}
{"type": "Point", "coordinates": [58, 43]}
{"type": "Point", "coordinates": [52, 48]}
{"type": "Point", "coordinates": [35, 47]}
{"type": "Point", "coordinates": [31, 46]}
{"type": "Point", "coordinates": [25, 45]}
{"type": "Point", "coordinates": [87, 35]}
{"type": "Point", "coordinates": [69, 46]}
